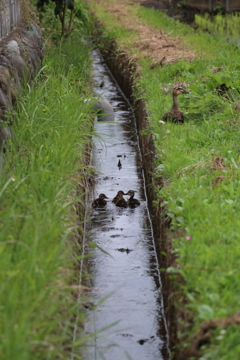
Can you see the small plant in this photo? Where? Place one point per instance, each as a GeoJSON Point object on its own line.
{"type": "Point", "coordinates": [60, 10]}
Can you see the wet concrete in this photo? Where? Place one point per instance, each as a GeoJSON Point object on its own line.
{"type": "Point", "coordinates": [128, 321]}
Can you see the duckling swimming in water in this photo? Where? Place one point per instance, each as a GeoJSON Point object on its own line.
{"type": "Point", "coordinates": [118, 196]}
{"type": "Point", "coordinates": [175, 115]}
{"type": "Point", "coordinates": [132, 203]}
{"type": "Point", "coordinates": [119, 200]}
{"type": "Point", "coordinates": [100, 202]}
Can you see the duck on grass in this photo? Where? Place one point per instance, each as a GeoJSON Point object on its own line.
{"type": "Point", "coordinates": [175, 115]}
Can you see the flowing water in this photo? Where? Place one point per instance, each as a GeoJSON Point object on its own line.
{"type": "Point", "coordinates": [128, 321]}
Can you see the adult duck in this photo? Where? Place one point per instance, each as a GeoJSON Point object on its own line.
{"type": "Point", "coordinates": [100, 202]}
{"type": "Point", "coordinates": [175, 115]}
{"type": "Point", "coordinates": [132, 203]}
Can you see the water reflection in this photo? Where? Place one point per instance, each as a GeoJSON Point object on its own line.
{"type": "Point", "coordinates": [128, 321]}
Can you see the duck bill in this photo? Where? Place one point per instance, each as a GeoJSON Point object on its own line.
{"type": "Point", "coordinates": [186, 92]}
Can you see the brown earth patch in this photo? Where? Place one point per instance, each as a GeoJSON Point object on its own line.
{"type": "Point", "coordinates": [152, 43]}
{"type": "Point", "coordinates": [204, 335]}
{"type": "Point", "coordinates": [218, 164]}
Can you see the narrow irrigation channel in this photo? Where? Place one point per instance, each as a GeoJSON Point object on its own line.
{"type": "Point", "coordinates": [128, 320]}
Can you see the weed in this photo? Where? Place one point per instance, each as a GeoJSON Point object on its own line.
{"type": "Point", "coordinates": [38, 235]}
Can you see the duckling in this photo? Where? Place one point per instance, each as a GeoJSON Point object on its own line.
{"type": "Point", "coordinates": [119, 200]}
{"type": "Point", "coordinates": [100, 202]}
{"type": "Point", "coordinates": [118, 196]}
{"type": "Point", "coordinates": [132, 203]}
{"type": "Point", "coordinates": [175, 115]}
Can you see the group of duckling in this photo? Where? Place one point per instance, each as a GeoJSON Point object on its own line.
{"type": "Point", "coordinates": [118, 200]}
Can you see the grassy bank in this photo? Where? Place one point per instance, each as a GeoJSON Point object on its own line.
{"type": "Point", "coordinates": [39, 230]}
{"type": "Point", "coordinates": [199, 163]}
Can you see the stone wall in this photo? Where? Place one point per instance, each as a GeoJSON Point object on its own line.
{"type": "Point", "coordinates": [10, 14]}
{"type": "Point", "coordinates": [20, 58]}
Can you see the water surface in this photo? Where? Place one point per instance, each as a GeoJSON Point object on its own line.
{"type": "Point", "coordinates": [128, 320]}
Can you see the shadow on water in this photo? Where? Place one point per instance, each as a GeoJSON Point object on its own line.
{"type": "Point", "coordinates": [128, 321]}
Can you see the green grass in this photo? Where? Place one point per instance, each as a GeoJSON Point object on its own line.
{"type": "Point", "coordinates": [39, 241]}
{"type": "Point", "coordinates": [207, 210]}
{"type": "Point", "coordinates": [126, 35]}
{"type": "Point", "coordinates": [204, 44]}
{"type": "Point", "coordinates": [202, 199]}
{"type": "Point", "coordinates": [227, 25]}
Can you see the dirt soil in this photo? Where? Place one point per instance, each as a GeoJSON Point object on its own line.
{"type": "Point", "coordinates": [153, 44]}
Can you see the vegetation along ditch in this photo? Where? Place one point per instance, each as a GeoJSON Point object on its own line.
{"type": "Point", "coordinates": [43, 184]}
{"type": "Point", "coordinates": [191, 174]}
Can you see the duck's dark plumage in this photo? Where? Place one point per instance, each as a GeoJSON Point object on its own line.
{"type": "Point", "coordinates": [122, 203]}
{"type": "Point", "coordinates": [100, 202]}
{"type": "Point", "coordinates": [118, 196]}
{"type": "Point", "coordinates": [119, 199]}
{"type": "Point", "coordinates": [175, 115]}
{"type": "Point", "coordinates": [132, 203]}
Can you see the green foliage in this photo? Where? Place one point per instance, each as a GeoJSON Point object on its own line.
{"type": "Point", "coordinates": [59, 4]}
{"type": "Point", "coordinates": [203, 196]}
{"type": "Point", "coordinates": [225, 345]}
{"type": "Point", "coordinates": [81, 20]}
{"type": "Point", "coordinates": [37, 218]}
{"type": "Point", "coordinates": [227, 25]}
{"type": "Point", "coordinates": [70, 4]}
